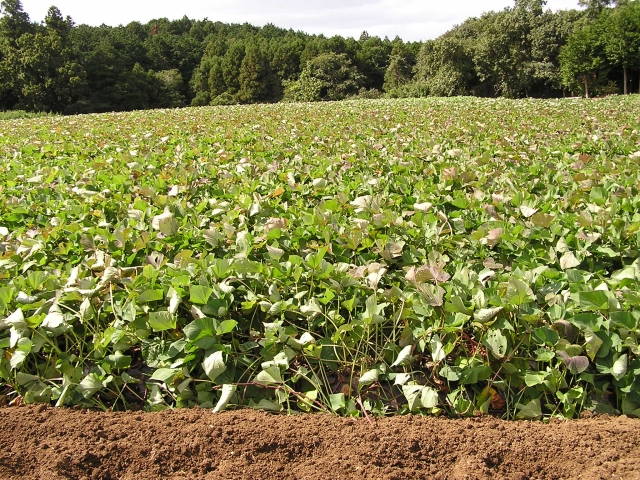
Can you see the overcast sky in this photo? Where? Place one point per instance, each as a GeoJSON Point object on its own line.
{"type": "Point", "coordinates": [411, 20]}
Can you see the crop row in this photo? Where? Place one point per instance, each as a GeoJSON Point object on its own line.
{"type": "Point", "coordinates": [440, 256]}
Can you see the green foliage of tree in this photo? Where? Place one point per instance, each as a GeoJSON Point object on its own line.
{"type": "Point", "coordinates": [169, 51]}
{"type": "Point", "coordinates": [231, 65]}
{"type": "Point", "coordinates": [49, 79]}
{"type": "Point", "coordinates": [207, 81]}
{"type": "Point", "coordinates": [398, 73]}
{"type": "Point", "coordinates": [339, 78]}
{"type": "Point", "coordinates": [595, 7]}
{"type": "Point", "coordinates": [622, 38]}
{"type": "Point", "coordinates": [306, 89]}
{"type": "Point", "coordinates": [57, 66]}
{"type": "Point", "coordinates": [372, 60]}
{"type": "Point", "coordinates": [547, 40]}
{"type": "Point", "coordinates": [446, 67]}
{"type": "Point", "coordinates": [54, 22]}
{"type": "Point", "coordinates": [252, 77]}
{"type": "Point", "coordinates": [172, 85]}
{"type": "Point", "coordinates": [14, 22]}
{"type": "Point", "coordinates": [215, 81]}
{"type": "Point", "coordinates": [504, 52]}
{"type": "Point", "coordinates": [582, 59]}
{"type": "Point", "coordinates": [399, 70]}
{"type": "Point", "coordinates": [285, 56]}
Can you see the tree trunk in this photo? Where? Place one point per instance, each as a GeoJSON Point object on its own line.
{"type": "Point", "coordinates": [586, 87]}
{"type": "Point", "coordinates": [626, 81]}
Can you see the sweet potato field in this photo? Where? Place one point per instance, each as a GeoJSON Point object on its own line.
{"type": "Point", "coordinates": [452, 257]}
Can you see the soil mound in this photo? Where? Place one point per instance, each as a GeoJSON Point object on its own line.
{"type": "Point", "coordinates": [39, 442]}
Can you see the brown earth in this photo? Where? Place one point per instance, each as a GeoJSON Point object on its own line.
{"type": "Point", "coordinates": [45, 443]}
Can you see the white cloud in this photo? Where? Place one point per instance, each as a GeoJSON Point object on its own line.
{"type": "Point", "coordinates": [409, 19]}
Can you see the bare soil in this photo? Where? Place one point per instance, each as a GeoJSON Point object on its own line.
{"type": "Point", "coordinates": [39, 442]}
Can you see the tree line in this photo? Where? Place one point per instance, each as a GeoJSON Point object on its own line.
{"type": "Point", "coordinates": [522, 51]}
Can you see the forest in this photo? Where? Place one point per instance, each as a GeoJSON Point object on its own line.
{"type": "Point", "coordinates": [525, 50]}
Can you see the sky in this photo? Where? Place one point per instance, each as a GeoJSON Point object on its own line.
{"type": "Point", "coordinates": [411, 20]}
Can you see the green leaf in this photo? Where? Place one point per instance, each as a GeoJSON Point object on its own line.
{"type": "Point", "coordinates": [437, 349]}
{"type": "Point", "coordinates": [596, 300]}
{"type": "Point", "coordinates": [593, 344]}
{"type": "Point", "coordinates": [54, 319]}
{"type": "Point", "coordinates": [569, 260]}
{"type": "Point", "coordinates": [402, 378]}
{"type": "Point", "coordinates": [25, 378]}
{"type": "Point", "coordinates": [404, 357]}
{"type": "Point", "coordinates": [18, 358]}
{"type": "Point", "coordinates": [542, 219]}
{"type": "Point", "coordinates": [16, 320]}
{"type": "Point", "coordinates": [199, 294]}
{"type": "Point", "coordinates": [119, 360]}
{"type": "Point", "coordinates": [267, 405]}
{"type": "Point", "coordinates": [589, 321]}
{"type": "Point", "coordinates": [214, 365]}
{"type": "Point", "coordinates": [544, 355]}
{"type": "Point", "coordinates": [225, 397]}
{"type": "Point", "coordinates": [227, 326]}
{"type": "Point", "coordinates": [624, 319]}
{"type": "Point", "coordinates": [527, 211]}
{"type": "Point", "coordinates": [530, 411]}
{"type": "Point", "coordinates": [412, 393]}
{"type": "Point", "coordinates": [598, 195]}
{"type": "Point", "coordinates": [619, 369]}
{"type": "Point", "coordinates": [368, 378]}
{"type": "Point", "coordinates": [89, 385]}
{"type": "Point", "coordinates": [165, 375]}
{"type": "Point", "coordinates": [450, 373]}
{"type": "Point", "coordinates": [546, 336]}
{"type": "Point", "coordinates": [269, 376]}
{"type": "Point", "coordinates": [337, 401]}
{"type": "Point", "coordinates": [518, 292]}
{"type": "Point", "coordinates": [174, 300]}
{"type": "Point", "coordinates": [429, 397]}
{"type": "Point", "coordinates": [161, 321]}
{"type": "Point", "coordinates": [496, 342]}
{"type": "Point", "coordinates": [305, 403]}
{"type": "Point", "coordinates": [150, 296]}
{"type": "Point", "coordinates": [419, 396]}
{"type": "Point", "coordinates": [473, 375]}
{"type": "Point", "coordinates": [576, 365]}
{"type": "Point", "coordinates": [166, 223]}
{"type": "Point", "coordinates": [531, 379]}
{"type": "Point", "coordinates": [201, 328]}
{"type": "Point", "coordinates": [315, 260]}
{"type": "Point", "coordinates": [486, 314]}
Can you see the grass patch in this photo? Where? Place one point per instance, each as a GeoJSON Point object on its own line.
{"type": "Point", "coordinates": [20, 114]}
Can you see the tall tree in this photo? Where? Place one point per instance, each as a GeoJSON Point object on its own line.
{"type": "Point", "coordinates": [622, 38]}
{"type": "Point", "coordinates": [398, 73]}
{"type": "Point", "coordinates": [503, 52]}
{"type": "Point", "coordinates": [231, 64]}
{"type": "Point", "coordinates": [285, 60]}
{"type": "Point", "coordinates": [54, 22]}
{"type": "Point", "coordinates": [253, 73]}
{"type": "Point", "coordinates": [335, 73]}
{"type": "Point", "coordinates": [14, 22]}
{"type": "Point", "coordinates": [595, 7]}
{"type": "Point", "coordinates": [581, 59]}
{"type": "Point", "coordinates": [446, 67]}
{"type": "Point", "coordinates": [372, 60]}
{"type": "Point", "coordinates": [49, 79]}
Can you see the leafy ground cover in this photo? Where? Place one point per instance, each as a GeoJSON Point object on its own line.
{"type": "Point", "coordinates": [365, 258]}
